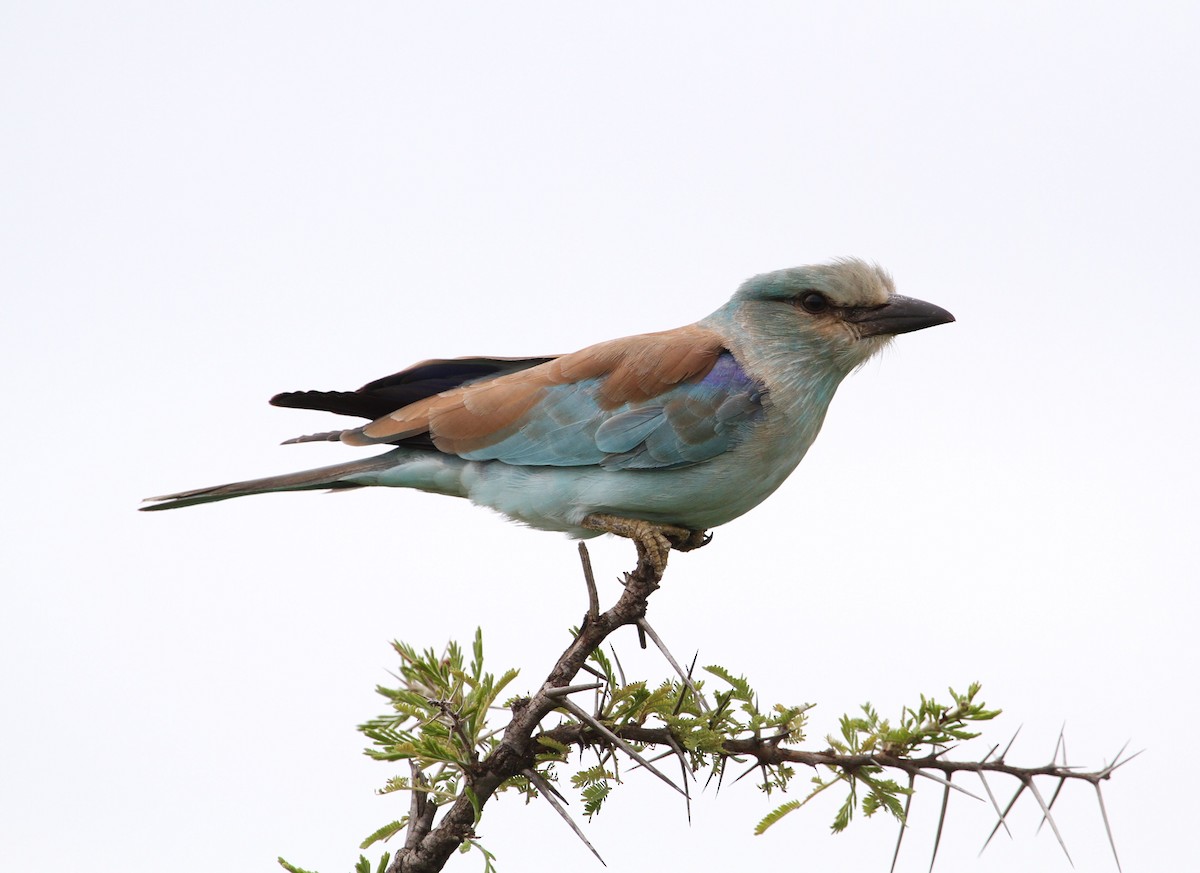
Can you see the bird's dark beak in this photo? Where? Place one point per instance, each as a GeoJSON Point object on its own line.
{"type": "Point", "coordinates": [898, 315]}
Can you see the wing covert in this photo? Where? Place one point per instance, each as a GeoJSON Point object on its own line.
{"type": "Point", "coordinates": [685, 425]}
{"type": "Point", "coordinates": [646, 402]}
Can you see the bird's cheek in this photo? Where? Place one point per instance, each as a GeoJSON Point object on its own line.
{"type": "Point", "coordinates": [862, 350]}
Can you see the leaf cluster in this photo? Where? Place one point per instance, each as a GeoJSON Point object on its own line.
{"type": "Point", "coordinates": [928, 729]}
{"type": "Point", "coordinates": [438, 721]}
{"type": "Point", "coordinates": [442, 708]}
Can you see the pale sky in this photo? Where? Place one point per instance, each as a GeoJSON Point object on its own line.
{"type": "Point", "coordinates": [207, 203]}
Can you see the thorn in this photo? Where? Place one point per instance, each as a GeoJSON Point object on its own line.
{"type": "Point", "coordinates": [1121, 752]}
{"type": "Point", "coordinates": [678, 749]}
{"type": "Point", "coordinates": [498, 730]}
{"type": "Point", "coordinates": [1108, 770]}
{"type": "Point", "coordinates": [564, 690]}
{"type": "Point", "coordinates": [617, 661]}
{"type": "Point", "coordinates": [992, 798]}
{"type": "Point", "coordinates": [667, 754]}
{"type": "Point", "coordinates": [753, 767]}
{"type": "Point", "coordinates": [701, 703]}
{"type": "Point", "coordinates": [715, 771]}
{"type": "Point", "coordinates": [545, 785]}
{"type": "Point", "coordinates": [1059, 743]}
{"type": "Point", "coordinates": [720, 776]}
{"type": "Point", "coordinates": [1107, 827]}
{"type": "Point", "coordinates": [949, 784]}
{"type": "Point", "coordinates": [588, 668]}
{"type": "Point", "coordinates": [548, 792]}
{"type": "Point", "coordinates": [687, 678]}
{"type": "Point", "coordinates": [583, 715]}
{"type": "Point", "coordinates": [937, 840]}
{"type": "Point", "coordinates": [1046, 812]}
{"type": "Point", "coordinates": [687, 794]}
{"type": "Point", "coordinates": [684, 772]}
{"type": "Point", "coordinates": [1057, 791]}
{"type": "Point", "coordinates": [1010, 742]}
{"type": "Point", "coordinates": [912, 778]}
{"type": "Point", "coordinates": [1007, 810]}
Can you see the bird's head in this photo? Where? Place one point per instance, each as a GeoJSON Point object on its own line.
{"type": "Point", "coordinates": [839, 313]}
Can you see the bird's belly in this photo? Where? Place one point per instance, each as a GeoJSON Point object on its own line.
{"type": "Point", "coordinates": [699, 497]}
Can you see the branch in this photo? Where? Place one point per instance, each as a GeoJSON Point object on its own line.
{"type": "Point", "coordinates": [517, 750]}
{"type": "Point", "coordinates": [768, 752]}
{"type": "Point", "coordinates": [441, 709]}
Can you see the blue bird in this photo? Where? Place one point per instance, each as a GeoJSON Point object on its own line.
{"type": "Point", "coordinates": [657, 437]}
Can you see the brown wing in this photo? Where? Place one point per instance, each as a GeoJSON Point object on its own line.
{"type": "Point", "coordinates": [614, 373]}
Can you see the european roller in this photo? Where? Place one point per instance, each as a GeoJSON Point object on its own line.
{"type": "Point", "coordinates": [658, 437]}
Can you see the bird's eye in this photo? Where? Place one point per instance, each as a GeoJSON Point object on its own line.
{"type": "Point", "coordinates": [814, 302]}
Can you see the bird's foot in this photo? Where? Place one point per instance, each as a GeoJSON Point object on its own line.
{"type": "Point", "coordinates": [654, 541]}
{"type": "Point", "coordinates": [695, 539]}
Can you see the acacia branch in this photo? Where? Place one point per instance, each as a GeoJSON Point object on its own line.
{"type": "Point", "coordinates": [517, 749]}
{"type": "Point", "coordinates": [729, 726]}
{"type": "Point", "coordinates": [767, 751]}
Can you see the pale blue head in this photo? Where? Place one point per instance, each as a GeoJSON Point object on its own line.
{"type": "Point", "coordinates": [839, 313]}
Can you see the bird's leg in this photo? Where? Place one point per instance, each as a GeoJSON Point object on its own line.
{"type": "Point", "coordinates": [654, 541]}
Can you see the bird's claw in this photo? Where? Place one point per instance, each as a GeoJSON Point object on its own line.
{"type": "Point", "coordinates": [695, 539]}
{"type": "Point", "coordinates": [654, 541]}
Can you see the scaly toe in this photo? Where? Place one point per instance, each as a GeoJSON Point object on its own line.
{"type": "Point", "coordinates": [687, 540]}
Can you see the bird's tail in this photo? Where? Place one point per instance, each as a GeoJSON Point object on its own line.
{"type": "Point", "coordinates": [335, 476]}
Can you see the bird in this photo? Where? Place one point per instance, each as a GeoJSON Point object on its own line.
{"type": "Point", "coordinates": [658, 437]}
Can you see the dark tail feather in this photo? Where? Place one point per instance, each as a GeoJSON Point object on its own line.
{"type": "Point", "coordinates": [307, 480]}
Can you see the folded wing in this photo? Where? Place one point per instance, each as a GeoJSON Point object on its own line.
{"type": "Point", "coordinates": [647, 402]}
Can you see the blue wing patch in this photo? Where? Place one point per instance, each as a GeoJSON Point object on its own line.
{"type": "Point", "coordinates": [685, 425]}
{"type": "Point", "coordinates": [625, 430]}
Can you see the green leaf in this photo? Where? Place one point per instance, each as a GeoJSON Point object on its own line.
{"type": "Point", "coordinates": [591, 776]}
{"type": "Point", "coordinates": [476, 809]}
{"type": "Point", "coordinates": [553, 744]}
{"type": "Point", "coordinates": [593, 796]}
{"type": "Point", "coordinates": [842, 820]}
{"type": "Point", "coordinates": [477, 654]}
{"type": "Point", "coordinates": [741, 688]}
{"type": "Point", "coordinates": [291, 868]}
{"type": "Point", "coordinates": [396, 783]}
{"type": "Point", "coordinates": [383, 833]}
{"type": "Point", "coordinates": [488, 857]}
{"type": "Point", "coordinates": [776, 814]}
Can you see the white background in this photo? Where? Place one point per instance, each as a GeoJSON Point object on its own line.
{"type": "Point", "coordinates": [206, 203]}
